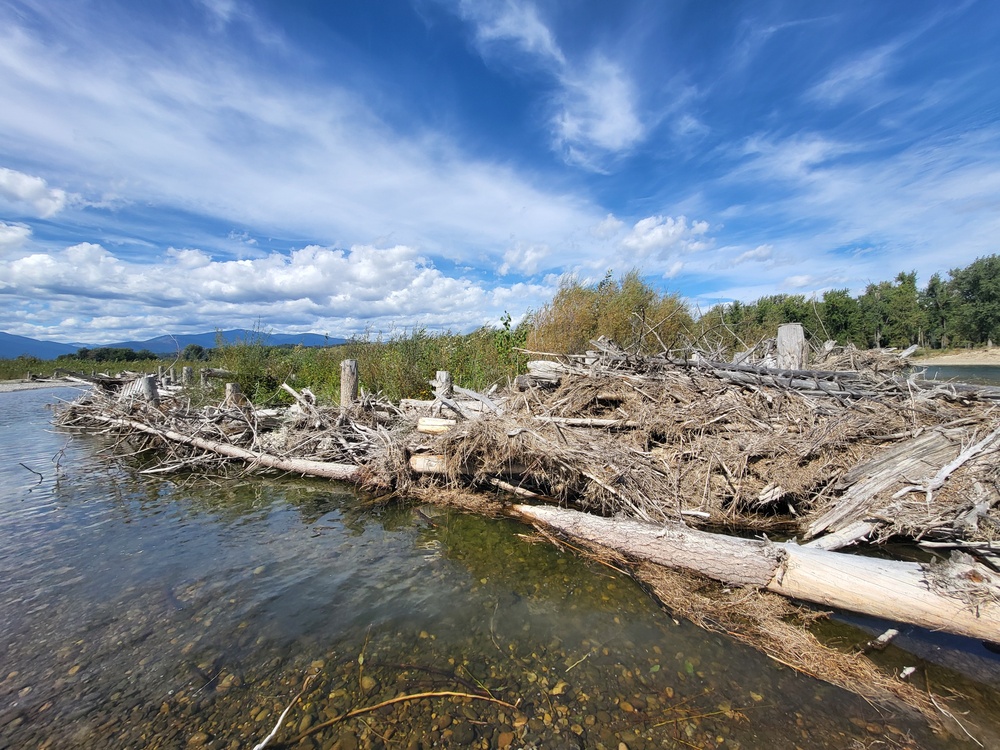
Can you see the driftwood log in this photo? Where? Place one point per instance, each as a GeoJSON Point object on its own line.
{"type": "Point", "coordinates": [959, 598]}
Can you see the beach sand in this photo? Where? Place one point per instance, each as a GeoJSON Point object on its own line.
{"type": "Point", "coordinates": [989, 356]}
{"type": "Point", "coordinates": [6, 386]}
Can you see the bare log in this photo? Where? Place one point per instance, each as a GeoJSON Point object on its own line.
{"type": "Point", "coordinates": [434, 425]}
{"type": "Point", "coordinates": [899, 591]}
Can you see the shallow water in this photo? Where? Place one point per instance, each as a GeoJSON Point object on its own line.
{"type": "Point", "coordinates": [978, 374]}
{"type": "Point", "coordinates": [140, 611]}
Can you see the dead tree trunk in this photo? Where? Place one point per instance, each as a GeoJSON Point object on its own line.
{"type": "Point", "coordinates": [348, 383]}
{"type": "Point", "coordinates": [958, 597]}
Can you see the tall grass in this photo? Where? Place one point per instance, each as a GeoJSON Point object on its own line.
{"type": "Point", "coordinates": [15, 369]}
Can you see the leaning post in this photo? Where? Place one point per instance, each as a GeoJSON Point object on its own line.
{"type": "Point", "coordinates": [348, 383]}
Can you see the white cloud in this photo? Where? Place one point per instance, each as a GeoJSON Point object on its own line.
{"type": "Point", "coordinates": [609, 227]}
{"type": "Point", "coordinates": [312, 288]}
{"type": "Point", "coordinates": [20, 188]}
{"type": "Point", "coordinates": [858, 75]}
{"type": "Point", "coordinates": [758, 254]}
{"type": "Point", "coordinates": [13, 236]}
{"type": "Point", "coordinates": [799, 281]}
{"type": "Point", "coordinates": [223, 10]}
{"type": "Point", "coordinates": [516, 22]}
{"type": "Point", "coordinates": [596, 104]}
{"type": "Point", "coordinates": [655, 235]}
{"type": "Point", "coordinates": [526, 258]}
{"type": "Point", "coordinates": [252, 150]}
{"type": "Point", "coordinates": [597, 109]}
{"type": "Point", "coordinates": [674, 269]}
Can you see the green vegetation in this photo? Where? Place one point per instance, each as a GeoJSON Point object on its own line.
{"type": "Point", "coordinates": [963, 310]}
{"type": "Point", "coordinates": [628, 311]}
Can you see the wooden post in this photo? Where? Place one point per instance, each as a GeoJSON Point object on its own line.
{"type": "Point", "coordinates": [793, 352]}
{"type": "Point", "coordinates": [172, 376]}
{"type": "Point", "coordinates": [443, 385]}
{"type": "Point", "coordinates": [187, 375]}
{"type": "Point", "coordinates": [204, 378]}
{"type": "Point", "coordinates": [149, 391]}
{"type": "Point", "coordinates": [348, 383]}
{"type": "Point", "coordinates": [161, 372]}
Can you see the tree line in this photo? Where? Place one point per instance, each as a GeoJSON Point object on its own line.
{"type": "Point", "coordinates": [962, 310]}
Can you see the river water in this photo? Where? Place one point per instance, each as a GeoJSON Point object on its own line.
{"type": "Point", "coordinates": [141, 611]}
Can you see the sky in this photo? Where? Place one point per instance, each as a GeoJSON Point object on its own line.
{"type": "Point", "coordinates": [383, 165]}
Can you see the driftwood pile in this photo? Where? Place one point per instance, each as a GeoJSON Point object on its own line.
{"type": "Point", "coordinates": [640, 453]}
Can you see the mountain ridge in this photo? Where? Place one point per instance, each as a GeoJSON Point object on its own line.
{"type": "Point", "coordinates": [13, 346]}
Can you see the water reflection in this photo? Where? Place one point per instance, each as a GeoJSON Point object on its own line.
{"type": "Point", "coordinates": [140, 611]}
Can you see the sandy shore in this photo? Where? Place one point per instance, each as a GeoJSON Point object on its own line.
{"type": "Point", "coordinates": [6, 386]}
{"type": "Point", "coordinates": [966, 357]}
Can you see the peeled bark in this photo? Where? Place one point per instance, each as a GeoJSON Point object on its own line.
{"type": "Point", "coordinates": [959, 597]}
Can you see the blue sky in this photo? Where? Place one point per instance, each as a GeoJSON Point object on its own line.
{"type": "Point", "coordinates": [333, 167]}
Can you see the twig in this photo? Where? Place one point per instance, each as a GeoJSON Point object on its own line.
{"type": "Point", "coordinates": [392, 701]}
{"type": "Point", "coordinates": [37, 474]}
{"type": "Point", "coordinates": [281, 719]}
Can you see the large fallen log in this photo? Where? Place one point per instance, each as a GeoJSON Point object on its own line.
{"type": "Point", "coordinates": [958, 597]}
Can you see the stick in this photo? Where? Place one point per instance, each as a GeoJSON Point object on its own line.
{"type": "Point", "coordinates": [40, 477]}
{"type": "Point", "coordinates": [391, 701]}
{"type": "Point", "coordinates": [281, 719]}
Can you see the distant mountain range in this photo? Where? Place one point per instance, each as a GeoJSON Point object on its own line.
{"type": "Point", "coordinates": [12, 346]}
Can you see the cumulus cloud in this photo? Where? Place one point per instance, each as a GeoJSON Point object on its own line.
{"type": "Point", "coordinates": [13, 235]}
{"type": "Point", "coordinates": [524, 257]}
{"type": "Point", "coordinates": [656, 235]}
{"type": "Point", "coordinates": [33, 192]}
{"type": "Point", "coordinates": [341, 291]}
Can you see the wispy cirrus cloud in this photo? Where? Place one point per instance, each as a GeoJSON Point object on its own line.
{"type": "Point", "coordinates": [856, 75]}
{"type": "Point", "coordinates": [595, 105]}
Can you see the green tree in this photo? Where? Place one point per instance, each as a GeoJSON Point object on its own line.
{"type": "Point", "coordinates": [841, 317]}
{"type": "Point", "coordinates": [976, 290]}
{"type": "Point", "coordinates": [194, 353]}
{"type": "Point", "coordinates": [905, 318]}
{"type": "Point", "coordinates": [936, 303]}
